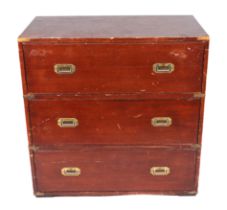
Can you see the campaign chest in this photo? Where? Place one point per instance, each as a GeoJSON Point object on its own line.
{"type": "Point", "coordinates": [114, 105]}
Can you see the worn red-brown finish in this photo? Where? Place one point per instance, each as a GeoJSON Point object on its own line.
{"type": "Point", "coordinates": [114, 94]}
{"type": "Point", "coordinates": [114, 122]}
{"type": "Point", "coordinates": [205, 64]}
{"type": "Point", "coordinates": [115, 170]}
{"type": "Point", "coordinates": [27, 114]}
{"type": "Point", "coordinates": [108, 69]}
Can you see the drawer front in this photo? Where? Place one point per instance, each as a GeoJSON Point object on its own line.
{"type": "Point", "coordinates": [113, 67]}
{"type": "Point", "coordinates": [157, 122]}
{"type": "Point", "coordinates": [115, 169]}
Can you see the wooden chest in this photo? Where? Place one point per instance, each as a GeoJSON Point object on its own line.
{"type": "Point", "coordinates": [114, 105]}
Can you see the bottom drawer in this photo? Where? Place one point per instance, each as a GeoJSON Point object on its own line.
{"type": "Point", "coordinates": [114, 170]}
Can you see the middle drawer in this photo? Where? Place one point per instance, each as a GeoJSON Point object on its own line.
{"type": "Point", "coordinates": [159, 122]}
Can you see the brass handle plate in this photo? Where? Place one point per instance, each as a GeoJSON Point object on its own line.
{"type": "Point", "coordinates": [71, 171]}
{"type": "Point", "coordinates": [161, 121]}
{"type": "Point", "coordinates": [163, 67]}
{"type": "Point", "coordinates": [160, 171]}
{"type": "Point", "coordinates": [64, 68]}
{"type": "Point", "coordinates": [67, 122]}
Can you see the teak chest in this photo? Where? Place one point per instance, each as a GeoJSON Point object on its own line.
{"type": "Point", "coordinates": [114, 105]}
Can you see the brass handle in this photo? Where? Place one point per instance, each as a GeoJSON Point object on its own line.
{"type": "Point", "coordinates": [67, 122]}
{"type": "Point", "coordinates": [160, 171]}
{"type": "Point", "coordinates": [71, 171]}
{"type": "Point", "coordinates": [163, 67]}
{"type": "Point", "coordinates": [161, 121]}
{"type": "Point", "coordinates": [64, 68]}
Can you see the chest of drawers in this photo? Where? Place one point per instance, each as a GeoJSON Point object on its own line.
{"type": "Point", "coordinates": [114, 105]}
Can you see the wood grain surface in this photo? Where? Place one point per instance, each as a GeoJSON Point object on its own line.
{"type": "Point", "coordinates": [115, 170]}
{"type": "Point", "coordinates": [114, 122]}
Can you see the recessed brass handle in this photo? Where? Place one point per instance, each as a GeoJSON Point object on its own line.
{"type": "Point", "coordinates": [161, 121]}
{"type": "Point", "coordinates": [67, 122]}
{"type": "Point", "coordinates": [71, 171]}
{"type": "Point", "coordinates": [160, 171]}
{"type": "Point", "coordinates": [64, 68]}
{"type": "Point", "coordinates": [163, 67]}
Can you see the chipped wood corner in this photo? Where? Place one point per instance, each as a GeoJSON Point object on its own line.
{"type": "Point", "coordinates": [34, 148]}
{"type": "Point", "coordinates": [203, 38]}
{"type": "Point", "coordinates": [39, 194]}
{"type": "Point", "coordinates": [188, 193]}
{"type": "Point", "coordinates": [199, 95]}
{"type": "Point", "coordinates": [191, 192]}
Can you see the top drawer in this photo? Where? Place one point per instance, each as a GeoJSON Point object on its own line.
{"type": "Point", "coordinates": [114, 67]}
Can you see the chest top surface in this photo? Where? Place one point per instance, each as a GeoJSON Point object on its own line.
{"type": "Point", "coordinates": [113, 28]}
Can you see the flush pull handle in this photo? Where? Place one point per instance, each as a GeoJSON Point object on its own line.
{"type": "Point", "coordinates": [64, 68]}
{"type": "Point", "coordinates": [71, 171]}
{"type": "Point", "coordinates": [161, 121]}
{"type": "Point", "coordinates": [163, 68]}
{"type": "Point", "coordinates": [67, 122]}
{"type": "Point", "coordinates": [160, 171]}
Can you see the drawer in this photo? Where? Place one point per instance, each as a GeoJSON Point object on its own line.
{"type": "Point", "coordinates": [123, 169]}
{"type": "Point", "coordinates": [157, 122]}
{"type": "Point", "coordinates": [114, 67]}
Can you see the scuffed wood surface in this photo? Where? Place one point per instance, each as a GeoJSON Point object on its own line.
{"type": "Point", "coordinates": [115, 169]}
{"type": "Point", "coordinates": [113, 29]}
